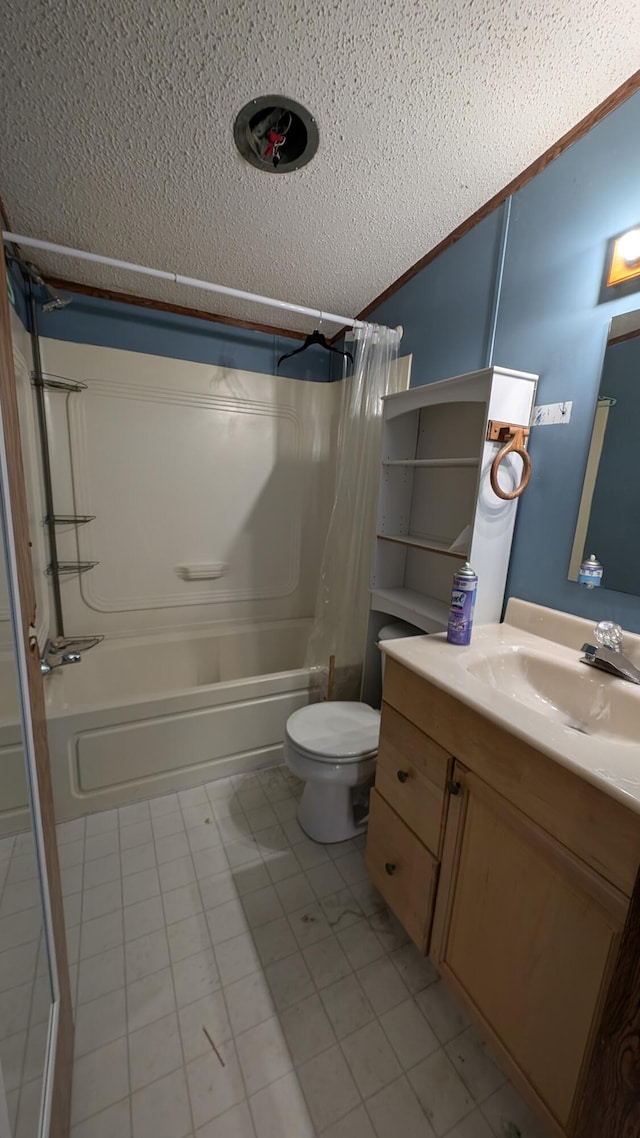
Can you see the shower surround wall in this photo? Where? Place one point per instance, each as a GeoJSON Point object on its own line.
{"type": "Point", "coordinates": [184, 461]}
{"type": "Point", "coordinates": [187, 464]}
{"type": "Point", "coordinates": [182, 464]}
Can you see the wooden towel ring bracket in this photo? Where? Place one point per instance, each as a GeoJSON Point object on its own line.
{"type": "Point", "coordinates": [513, 437]}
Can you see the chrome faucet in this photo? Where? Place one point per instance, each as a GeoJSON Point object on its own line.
{"type": "Point", "coordinates": [56, 654]}
{"type": "Point", "coordinates": [607, 653]}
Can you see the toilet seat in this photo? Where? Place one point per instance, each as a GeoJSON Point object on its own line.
{"type": "Point", "coordinates": [335, 732]}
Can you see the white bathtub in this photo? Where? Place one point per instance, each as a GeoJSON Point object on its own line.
{"type": "Point", "coordinates": [151, 715]}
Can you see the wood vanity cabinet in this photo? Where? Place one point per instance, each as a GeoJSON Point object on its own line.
{"type": "Point", "coordinates": [529, 934]}
{"type": "Point", "coordinates": [513, 873]}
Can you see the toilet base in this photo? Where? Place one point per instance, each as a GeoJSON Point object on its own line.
{"type": "Point", "coordinates": [325, 813]}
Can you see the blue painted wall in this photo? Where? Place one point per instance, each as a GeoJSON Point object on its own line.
{"type": "Point", "coordinates": [446, 309]}
{"type": "Point", "coordinates": [106, 323]}
{"type": "Point", "coordinates": [615, 513]}
{"type": "Point", "coordinates": [549, 321]}
{"type": "Point", "coordinates": [17, 292]}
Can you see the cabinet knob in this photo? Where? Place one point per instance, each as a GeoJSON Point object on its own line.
{"type": "Point", "coordinates": [453, 787]}
{"type": "Point", "coordinates": [389, 868]}
{"type": "Point", "coordinates": [403, 776]}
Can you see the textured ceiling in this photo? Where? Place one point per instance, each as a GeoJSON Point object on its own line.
{"type": "Point", "coordinates": [116, 131]}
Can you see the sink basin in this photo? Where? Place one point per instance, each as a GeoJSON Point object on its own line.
{"type": "Point", "coordinates": [564, 691]}
{"type": "Point", "coordinates": [525, 676]}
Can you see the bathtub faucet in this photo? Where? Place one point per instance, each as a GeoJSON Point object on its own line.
{"type": "Point", "coordinates": [56, 654]}
{"type": "Point", "coordinates": [66, 650]}
{"type": "Point", "coordinates": [70, 658]}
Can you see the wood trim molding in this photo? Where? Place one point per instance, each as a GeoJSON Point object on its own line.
{"type": "Point", "coordinates": [610, 1106]}
{"type": "Point", "coordinates": [615, 99]}
{"type": "Point", "coordinates": [10, 439]}
{"type": "Point", "coordinates": [174, 309]}
{"type": "Point", "coordinates": [624, 336]}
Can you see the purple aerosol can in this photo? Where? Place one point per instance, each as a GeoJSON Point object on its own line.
{"type": "Point", "coordinates": [463, 602]}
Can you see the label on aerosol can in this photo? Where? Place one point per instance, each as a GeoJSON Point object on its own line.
{"type": "Point", "coordinates": [590, 572]}
{"type": "Point", "coordinates": [463, 601]}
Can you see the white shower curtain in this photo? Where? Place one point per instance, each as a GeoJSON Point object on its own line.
{"type": "Point", "coordinates": [343, 595]}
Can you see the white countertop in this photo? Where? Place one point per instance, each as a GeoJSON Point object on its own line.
{"type": "Point", "coordinates": [613, 765]}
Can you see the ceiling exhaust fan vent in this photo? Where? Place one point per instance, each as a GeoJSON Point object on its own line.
{"type": "Point", "coordinates": [276, 134]}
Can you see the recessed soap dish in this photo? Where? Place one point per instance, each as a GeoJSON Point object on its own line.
{"type": "Point", "coordinates": [202, 572]}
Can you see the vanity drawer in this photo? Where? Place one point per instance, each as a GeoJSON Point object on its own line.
{"type": "Point", "coordinates": [400, 689]}
{"type": "Point", "coordinates": [411, 774]}
{"type": "Point", "coordinates": [402, 869]}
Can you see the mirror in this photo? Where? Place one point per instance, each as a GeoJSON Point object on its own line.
{"type": "Point", "coordinates": [27, 1005]}
{"type": "Point", "coordinates": [607, 524]}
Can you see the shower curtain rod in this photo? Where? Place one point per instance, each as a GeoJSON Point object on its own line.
{"type": "Point", "coordinates": [177, 278]}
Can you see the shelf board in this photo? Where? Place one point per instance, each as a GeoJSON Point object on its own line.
{"type": "Point", "coordinates": [69, 519]}
{"type": "Point", "coordinates": [78, 643]}
{"type": "Point", "coordinates": [426, 543]}
{"type": "Point", "coordinates": [425, 612]}
{"type": "Point", "coordinates": [58, 383]}
{"type": "Point", "coordinates": [430, 462]}
{"type": "Point", "coordinates": [70, 567]}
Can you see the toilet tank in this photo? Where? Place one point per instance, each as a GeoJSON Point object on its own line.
{"type": "Point", "coordinates": [397, 631]}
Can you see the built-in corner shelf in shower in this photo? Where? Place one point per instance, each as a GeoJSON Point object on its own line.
{"type": "Point", "coordinates": [59, 383]}
{"type": "Point", "coordinates": [67, 567]}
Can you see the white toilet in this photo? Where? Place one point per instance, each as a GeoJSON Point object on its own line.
{"type": "Point", "coordinates": [332, 747]}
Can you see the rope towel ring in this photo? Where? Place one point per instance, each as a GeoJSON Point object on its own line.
{"type": "Point", "coordinates": [515, 445]}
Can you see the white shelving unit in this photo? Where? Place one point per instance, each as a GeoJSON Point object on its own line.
{"type": "Point", "coordinates": [431, 462]}
{"type": "Point", "coordinates": [416, 608]}
{"type": "Point", "coordinates": [436, 508]}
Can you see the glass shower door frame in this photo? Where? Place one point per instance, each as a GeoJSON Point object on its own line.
{"type": "Point", "coordinates": [6, 528]}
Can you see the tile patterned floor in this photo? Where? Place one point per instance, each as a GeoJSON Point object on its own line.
{"type": "Point", "coordinates": [233, 979]}
{"type": "Point", "coordinates": [25, 987]}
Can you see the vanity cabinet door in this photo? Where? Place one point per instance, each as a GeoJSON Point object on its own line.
{"type": "Point", "coordinates": [527, 935]}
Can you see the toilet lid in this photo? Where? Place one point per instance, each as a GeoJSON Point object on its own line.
{"type": "Point", "coordinates": [335, 731]}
